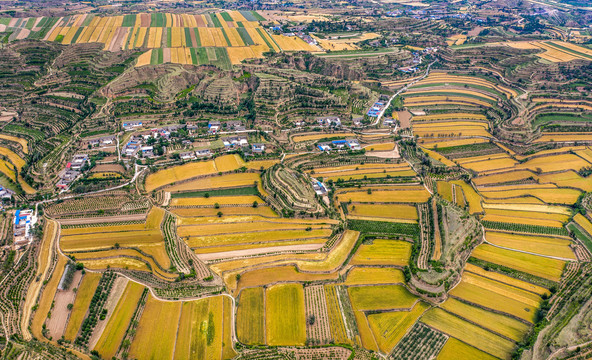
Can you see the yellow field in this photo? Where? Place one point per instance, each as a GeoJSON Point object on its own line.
{"type": "Point", "coordinates": [202, 330]}
{"type": "Point", "coordinates": [380, 147]}
{"type": "Point", "coordinates": [161, 315]}
{"type": "Point", "coordinates": [427, 92]}
{"type": "Point", "coordinates": [548, 195]}
{"type": "Point", "coordinates": [560, 162]}
{"type": "Point", "coordinates": [84, 295]}
{"type": "Point", "coordinates": [557, 137]}
{"type": "Point", "coordinates": [445, 190]}
{"type": "Point", "coordinates": [449, 116]}
{"type": "Point", "coordinates": [468, 333]}
{"type": "Point", "coordinates": [400, 195]}
{"type": "Point", "coordinates": [392, 211]}
{"type": "Point", "coordinates": [374, 275]}
{"type": "Point", "coordinates": [568, 179]}
{"type": "Point", "coordinates": [7, 169]}
{"type": "Point", "coordinates": [584, 222]}
{"type": "Point", "coordinates": [471, 196]}
{"type": "Point", "coordinates": [13, 157]}
{"type": "Point", "coordinates": [293, 43]}
{"type": "Point", "coordinates": [383, 252]}
{"type": "Point", "coordinates": [441, 99]}
{"type": "Point", "coordinates": [486, 165]}
{"type": "Point", "coordinates": [265, 211]}
{"type": "Point", "coordinates": [539, 266]}
{"type": "Point", "coordinates": [302, 138]}
{"type": "Point", "coordinates": [23, 142]}
{"type": "Point", "coordinates": [498, 296]}
{"type": "Point", "coordinates": [381, 297]}
{"type": "Point", "coordinates": [232, 228]}
{"type": "Point", "coordinates": [179, 173]}
{"type": "Point", "coordinates": [454, 349]}
{"type": "Point", "coordinates": [276, 274]}
{"type": "Point", "coordinates": [506, 279]}
{"type": "Point", "coordinates": [258, 237]}
{"type": "Point", "coordinates": [284, 315]}
{"type": "Point", "coordinates": [444, 142]}
{"type": "Point", "coordinates": [118, 322]}
{"type": "Point", "coordinates": [514, 175]}
{"type": "Point", "coordinates": [518, 205]}
{"type": "Point", "coordinates": [228, 163]}
{"type": "Point", "coordinates": [442, 77]}
{"type": "Point", "coordinates": [500, 324]}
{"type": "Point", "coordinates": [389, 327]}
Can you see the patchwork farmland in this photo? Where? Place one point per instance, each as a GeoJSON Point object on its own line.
{"type": "Point", "coordinates": [223, 39]}
{"type": "Point", "coordinates": [353, 180]}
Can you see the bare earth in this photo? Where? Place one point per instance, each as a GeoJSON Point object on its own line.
{"type": "Point", "coordinates": [60, 313]}
{"type": "Point", "coordinates": [404, 119]}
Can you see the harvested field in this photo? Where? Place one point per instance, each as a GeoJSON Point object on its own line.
{"type": "Point", "coordinates": [374, 275]}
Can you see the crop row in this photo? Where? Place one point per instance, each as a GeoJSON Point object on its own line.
{"type": "Point", "coordinates": [535, 229]}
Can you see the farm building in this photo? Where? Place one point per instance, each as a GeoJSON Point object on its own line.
{"type": "Point", "coordinates": [131, 125]}
{"type": "Point", "coordinates": [214, 127]}
{"type": "Point", "coordinates": [258, 148]}
{"type": "Point", "coordinates": [78, 161]}
{"type": "Point", "coordinates": [319, 187]}
{"type": "Point", "coordinates": [235, 141]}
{"type": "Point", "coordinates": [353, 144]}
{"type": "Point", "coordinates": [188, 155]}
{"type": "Point", "coordinates": [22, 226]}
{"type": "Point", "coordinates": [203, 153]}
{"type": "Point", "coordinates": [6, 193]}
{"type": "Point", "coordinates": [329, 121]}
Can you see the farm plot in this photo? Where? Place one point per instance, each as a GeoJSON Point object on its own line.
{"type": "Point", "coordinates": [204, 329]}
{"type": "Point", "coordinates": [84, 295]}
{"type": "Point", "coordinates": [394, 194]}
{"type": "Point", "coordinates": [121, 240]}
{"type": "Point", "coordinates": [542, 245]}
{"type": "Point", "coordinates": [394, 212]}
{"type": "Point", "coordinates": [547, 194]}
{"type": "Point", "coordinates": [420, 342]}
{"type": "Point", "coordinates": [455, 349]}
{"type": "Point", "coordinates": [536, 265]}
{"type": "Point", "coordinates": [118, 322]}
{"type": "Point", "coordinates": [156, 344]}
{"type": "Point", "coordinates": [468, 333]}
{"type": "Point", "coordinates": [374, 275]}
{"type": "Point", "coordinates": [319, 330]}
{"type": "Point", "coordinates": [552, 163]}
{"type": "Point", "coordinates": [494, 322]}
{"type": "Point", "coordinates": [526, 217]}
{"type": "Point", "coordinates": [389, 328]}
{"type": "Point", "coordinates": [179, 173]}
{"type": "Point", "coordinates": [285, 318]}
{"type": "Point", "coordinates": [451, 129]}
{"type": "Point", "coordinates": [381, 297]}
{"type": "Point", "coordinates": [383, 252]}
{"type": "Point", "coordinates": [497, 296]}
{"type": "Point", "coordinates": [250, 322]}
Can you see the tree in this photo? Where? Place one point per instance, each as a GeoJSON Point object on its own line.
{"type": "Point", "coordinates": [255, 204]}
{"type": "Point", "coordinates": [219, 214]}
